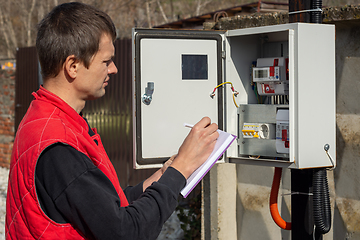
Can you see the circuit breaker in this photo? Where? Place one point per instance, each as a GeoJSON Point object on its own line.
{"type": "Point", "coordinates": [273, 87]}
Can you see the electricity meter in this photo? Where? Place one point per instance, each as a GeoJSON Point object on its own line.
{"type": "Point", "coordinates": [270, 76]}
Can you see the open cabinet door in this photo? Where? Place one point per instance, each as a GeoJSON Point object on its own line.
{"type": "Point", "coordinates": [174, 73]}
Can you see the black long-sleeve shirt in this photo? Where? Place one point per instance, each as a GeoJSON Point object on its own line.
{"type": "Point", "coordinates": [71, 189]}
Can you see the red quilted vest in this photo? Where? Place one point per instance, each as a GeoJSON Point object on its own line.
{"type": "Point", "coordinates": [48, 120]}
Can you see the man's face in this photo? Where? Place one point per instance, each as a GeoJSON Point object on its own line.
{"type": "Point", "coordinates": [90, 83]}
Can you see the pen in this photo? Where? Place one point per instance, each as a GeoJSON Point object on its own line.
{"type": "Point", "coordinates": [188, 125]}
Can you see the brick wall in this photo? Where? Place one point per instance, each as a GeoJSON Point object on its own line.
{"type": "Point", "coordinates": [7, 115]}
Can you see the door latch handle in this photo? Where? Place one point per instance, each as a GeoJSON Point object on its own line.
{"type": "Point", "coordinates": [147, 97]}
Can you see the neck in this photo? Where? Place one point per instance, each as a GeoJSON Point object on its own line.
{"type": "Point", "coordinates": [65, 92]}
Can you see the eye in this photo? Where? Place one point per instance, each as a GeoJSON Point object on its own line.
{"type": "Point", "coordinates": [108, 62]}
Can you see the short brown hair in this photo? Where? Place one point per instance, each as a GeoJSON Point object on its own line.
{"type": "Point", "coordinates": [71, 29]}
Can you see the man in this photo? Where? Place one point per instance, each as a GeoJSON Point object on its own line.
{"type": "Point", "coordinates": [61, 183]}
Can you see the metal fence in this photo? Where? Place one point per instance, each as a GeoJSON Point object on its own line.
{"type": "Point", "coordinates": [26, 81]}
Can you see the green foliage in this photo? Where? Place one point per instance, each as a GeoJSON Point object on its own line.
{"type": "Point", "coordinates": [190, 218]}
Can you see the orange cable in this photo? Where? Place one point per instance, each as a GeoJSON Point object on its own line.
{"type": "Point", "coordinates": [273, 201]}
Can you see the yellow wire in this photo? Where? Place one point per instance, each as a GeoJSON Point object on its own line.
{"type": "Point", "coordinates": [233, 92]}
{"type": "Point", "coordinates": [235, 101]}
{"type": "Point", "coordinates": [223, 84]}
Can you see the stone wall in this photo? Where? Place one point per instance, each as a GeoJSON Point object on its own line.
{"type": "Point", "coordinates": [7, 115]}
{"type": "Point", "coordinates": [329, 15]}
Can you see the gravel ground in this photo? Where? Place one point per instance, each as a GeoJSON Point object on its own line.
{"type": "Point", "coordinates": [4, 172]}
{"type": "Point", "coordinates": [171, 229]}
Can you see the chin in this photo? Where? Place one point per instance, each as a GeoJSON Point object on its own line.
{"type": "Point", "coordinates": [96, 95]}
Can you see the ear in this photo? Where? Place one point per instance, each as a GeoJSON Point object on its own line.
{"type": "Point", "coordinates": [71, 66]}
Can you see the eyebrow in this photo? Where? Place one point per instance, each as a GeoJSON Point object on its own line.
{"type": "Point", "coordinates": [109, 58]}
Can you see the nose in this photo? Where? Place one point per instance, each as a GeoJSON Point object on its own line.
{"type": "Point", "coordinates": [112, 69]}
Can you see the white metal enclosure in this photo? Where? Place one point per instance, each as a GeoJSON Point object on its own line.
{"type": "Point", "coordinates": [229, 56]}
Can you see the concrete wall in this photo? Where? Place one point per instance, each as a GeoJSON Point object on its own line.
{"type": "Point", "coordinates": [236, 197]}
{"type": "Point", "coordinates": [347, 174]}
{"type": "Point", "coordinates": [7, 115]}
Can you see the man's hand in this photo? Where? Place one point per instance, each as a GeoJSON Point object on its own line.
{"type": "Point", "coordinates": [196, 147]}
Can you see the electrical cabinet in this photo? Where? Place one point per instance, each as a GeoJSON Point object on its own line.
{"type": "Point", "coordinates": [273, 87]}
